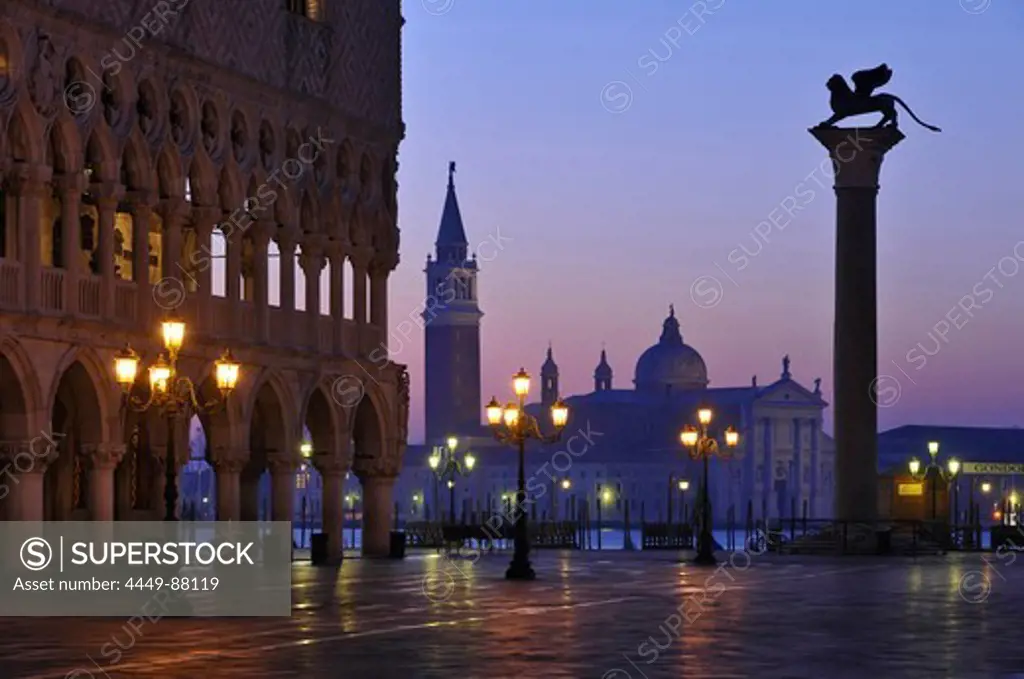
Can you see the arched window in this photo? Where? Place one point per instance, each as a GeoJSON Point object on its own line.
{"type": "Point", "coordinates": [311, 9]}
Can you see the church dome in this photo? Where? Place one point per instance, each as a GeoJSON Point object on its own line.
{"type": "Point", "coordinates": [670, 365]}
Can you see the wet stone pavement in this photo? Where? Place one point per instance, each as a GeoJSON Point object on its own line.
{"type": "Point", "coordinates": [614, 615]}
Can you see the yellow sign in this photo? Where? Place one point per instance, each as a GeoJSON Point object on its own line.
{"type": "Point", "coordinates": [912, 489]}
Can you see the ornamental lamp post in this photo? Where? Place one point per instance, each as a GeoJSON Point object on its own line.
{"type": "Point", "coordinates": [935, 473]}
{"type": "Point", "coordinates": [513, 425]}
{"type": "Point", "coordinates": [702, 445]}
{"type": "Point", "coordinates": [684, 486]}
{"type": "Point", "coordinates": [447, 467]}
{"type": "Point", "coordinates": [173, 394]}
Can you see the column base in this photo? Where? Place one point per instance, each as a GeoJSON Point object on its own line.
{"type": "Point", "coordinates": [520, 570]}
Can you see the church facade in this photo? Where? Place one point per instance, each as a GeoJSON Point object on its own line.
{"type": "Point", "coordinates": [621, 445]}
{"type": "Point", "coordinates": [147, 151]}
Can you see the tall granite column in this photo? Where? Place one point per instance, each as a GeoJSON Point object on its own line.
{"type": "Point", "coordinates": [856, 156]}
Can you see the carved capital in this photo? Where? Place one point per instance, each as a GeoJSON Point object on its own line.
{"type": "Point", "coordinates": [205, 217]}
{"type": "Point", "coordinates": [103, 455]}
{"type": "Point", "coordinates": [71, 184]}
{"type": "Point", "coordinates": [174, 211]}
{"type": "Point", "coordinates": [262, 232]}
{"type": "Point", "coordinates": [279, 464]}
{"type": "Point", "coordinates": [287, 238]}
{"type": "Point", "coordinates": [330, 465]}
{"type": "Point", "coordinates": [857, 153]}
{"type": "Point", "coordinates": [29, 180]}
{"type": "Point", "coordinates": [27, 457]}
{"type": "Point", "coordinates": [361, 257]}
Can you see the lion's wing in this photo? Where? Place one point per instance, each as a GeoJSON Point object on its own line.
{"type": "Point", "coordinates": [867, 81]}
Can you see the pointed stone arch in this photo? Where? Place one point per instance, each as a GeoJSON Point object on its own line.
{"type": "Point", "coordinates": [169, 180]}
{"type": "Point", "coordinates": [324, 418]}
{"type": "Point", "coordinates": [203, 181]}
{"type": "Point", "coordinates": [100, 157]}
{"type": "Point", "coordinates": [25, 134]}
{"type": "Point", "coordinates": [136, 167]}
{"type": "Point", "coordinates": [22, 402]}
{"type": "Point", "coordinates": [65, 148]}
{"type": "Point", "coordinates": [100, 378]}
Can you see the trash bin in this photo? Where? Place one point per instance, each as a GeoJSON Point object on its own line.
{"type": "Point", "coordinates": [883, 539]}
{"type": "Point", "coordinates": [318, 549]}
{"type": "Point", "coordinates": [397, 550]}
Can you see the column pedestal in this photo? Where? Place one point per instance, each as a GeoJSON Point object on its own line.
{"type": "Point", "coordinates": [282, 490]}
{"type": "Point", "coordinates": [377, 507]}
{"type": "Point", "coordinates": [856, 156]}
{"type": "Point", "coordinates": [229, 505]}
{"type": "Point", "coordinates": [333, 512]}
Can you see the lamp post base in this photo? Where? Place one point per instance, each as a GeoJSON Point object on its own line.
{"type": "Point", "coordinates": [705, 559]}
{"type": "Point", "coordinates": [520, 570]}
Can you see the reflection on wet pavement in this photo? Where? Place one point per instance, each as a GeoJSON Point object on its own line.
{"type": "Point", "coordinates": [621, 616]}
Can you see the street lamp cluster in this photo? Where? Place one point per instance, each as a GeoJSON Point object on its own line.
{"type": "Point", "coordinates": [702, 446]}
{"type": "Point", "coordinates": [511, 424]}
{"type": "Point", "coordinates": [937, 473]}
{"type": "Point", "coordinates": [447, 467]}
{"type": "Point", "coordinates": [172, 393]}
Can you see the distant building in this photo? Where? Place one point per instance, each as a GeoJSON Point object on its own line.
{"type": "Point", "coordinates": [784, 458]}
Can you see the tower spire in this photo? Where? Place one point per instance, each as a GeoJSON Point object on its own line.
{"type": "Point", "coordinates": [451, 244]}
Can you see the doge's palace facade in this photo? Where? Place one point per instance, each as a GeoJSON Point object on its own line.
{"type": "Point", "coordinates": [148, 148]}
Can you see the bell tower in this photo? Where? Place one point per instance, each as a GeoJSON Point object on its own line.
{"type": "Point", "coordinates": [451, 318]}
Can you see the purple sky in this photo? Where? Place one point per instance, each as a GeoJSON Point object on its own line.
{"type": "Point", "coordinates": [607, 218]}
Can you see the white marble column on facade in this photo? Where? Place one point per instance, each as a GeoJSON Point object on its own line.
{"type": "Point", "coordinates": [798, 466]}
{"type": "Point", "coordinates": [377, 508]}
{"type": "Point", "coordinates": [229, 501]}
{"type": "Point", "coordinates": [102, 460]}
{"type": "Point", "coordinates": [336, 253]}
{"type": "Point", "coordinates": [286, 243]}
{"type": "Point", "coordinates": [24, 483]}
{"type": "Point", "coordinates": [282, 487]}
{"type": "Point", "coordinates": [71, 187]}
{"type": "Point", "coordinates": [31, 187]}
{"type": "Point", "coordinates": [312, 261]}
{"type": "Point", "coordinates": [233, 268]}
{"type": "Point", "coordinates": [768, 504]}
{"type": "Point", "coordinates": [141, 206]}
{"type": "Point", "coordinates": [262, 232]}
{"type": "Point", "coordinates": [379, 295]}
{"type": "Point", "coordinates": [332, 472]}
{"type": "Point", "coordinates": [107, 199]}
{"type": "Point", "coordinates": [204, 219]}
{"type": "Point", "coordinates": [360, 266]}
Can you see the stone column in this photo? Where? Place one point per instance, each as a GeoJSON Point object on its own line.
{"type": "Point", "coordinates": [103, 459]}
{"type": "Point", "coordinates": [204, 219]}
{"type": "Point", "coordinates": [107, 200]}
{"type": "Point", "coordinates": [31, 186]}
{"type": "Point", "coordinates": [229, 500]}
{"type": "Point", "coordinates": [286, 240]}
{"type": "Point", "coordinates": [262, 232]}
{"type": "Point", "coordinates": [312, 262]}
{"type": "Point", "coordinates": [332, 471]}
{"type": "Point", "coordinates": [798, 467]}
{"type": "Point", "coordinates": [142, 218]}
{"type": "Point", "coordinates": [249, 491]}
{"type": "Point", "coordinates": [360, 266]}
{"type": "Point", "coordinates": [282, 488]}
{"type": "Point", "coordinates": [815, 466]}
{"type": "Point", "coordinates": [379, 296]}
{"type": "Point", "coordinates": [856, 156]}
{"type": "Point", "coordinates": [24, 482]}
{"type": "Point", "coordinates": [377, 507]}
{"type": "Point", "coordinates": [71, 187]}
{"type": "Point", "coordinates": [233, 269]}
{"type": "Point", "coordinates": [336, 253]}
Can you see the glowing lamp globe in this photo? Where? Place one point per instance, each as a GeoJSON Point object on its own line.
{"type": "Point", "coordinates": [126, 367]}
{"type": "Point", "coordinates": [732, 437]}
{"type": "Point", "coordinates": [953, 466]}
{"type": "Point", "coordinates": [160, 375]}
{"type": "Point", "coordinates": [704, 415]}
{"type": "Point", "coordinates": [470, 461]}
{"type": "Point", "coordinates": [452, 443]}
{"type": "Point", "coordinates": [915, 466]}
{"type": "Point", "coordinates": [494, 414]}
{"type": "Point", "coordinates": [226, 373]}
{"type": "Point", "coordinates": [174, 333]}
{"type": "Point", "coordinates": [559, 414]}
{"type": "Point", "coordinates": [511, 415]}
{"type": "Point", "coordinates": [684, 485]}
{"type": "Point", "coordinates": [689, 436]}
{"type": "Point", "coordinates": [521, 383]}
